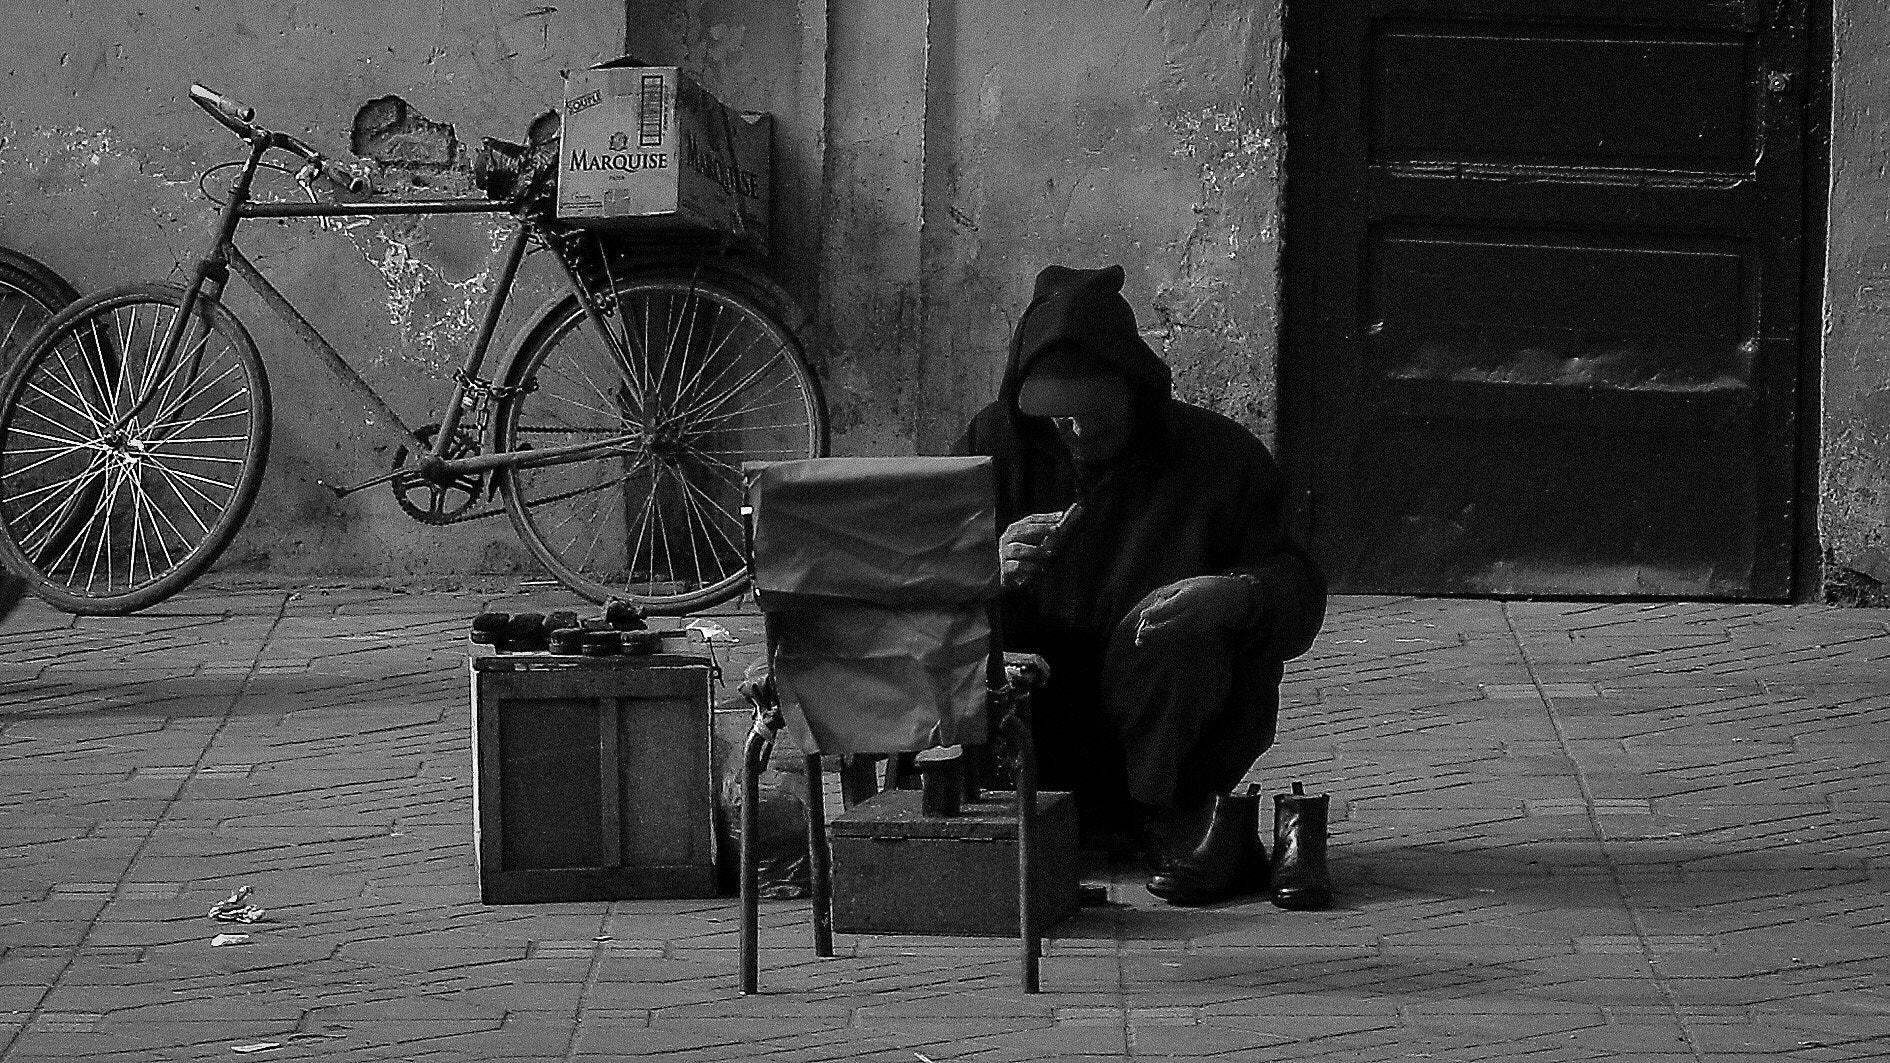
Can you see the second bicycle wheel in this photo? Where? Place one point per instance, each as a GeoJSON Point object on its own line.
{"type": "Point", "coordinates": [708, 379]}
{"type": "Point", "coordinates": [30, 294]}
{"type": "Point", "coordinates": [125, 472]}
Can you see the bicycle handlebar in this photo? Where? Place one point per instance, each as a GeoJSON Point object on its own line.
{"type": "Point", "coordinates": [240, 120]}
{"type": "Point", "coordinates": [223, 109]}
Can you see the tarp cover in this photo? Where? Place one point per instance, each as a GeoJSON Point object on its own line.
{"type": "Point", "coordinates": [885, 530]}
{"type": "Point", "coordinates": [874, 574]}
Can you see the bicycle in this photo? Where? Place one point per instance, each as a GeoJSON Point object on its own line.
{"type": "Point", "coordinates": [134, 433]}
{"type": "Point", "coordinates": [30, 294]}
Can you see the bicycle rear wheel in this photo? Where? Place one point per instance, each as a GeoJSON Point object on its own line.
{"type": "Point", "coordinates": [710, 378]}
{"type": "Point", "coordinates": [30, 294]}
{"type": "Point", "coordinates": [123, 474]}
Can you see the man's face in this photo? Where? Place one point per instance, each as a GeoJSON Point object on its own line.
{"type": "Point", "coordinates": [1093, 415]}
{"type": "Point", "coordinates": [1097, 435]}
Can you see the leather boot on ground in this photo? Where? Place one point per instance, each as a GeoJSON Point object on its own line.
{"type": "Point", "coordinates": [1300, 879]}
{"type": "Point", "coordinates": [1228, 861]}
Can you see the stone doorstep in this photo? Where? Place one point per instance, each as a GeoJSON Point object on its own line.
{"type": "Point", "coordinates": [1600, 806]}
{"type": "Point", "coordinates": [65, 1022]}
{"type": "Point", "coordinates": [136, 891]}
{"type": "Point", "coordinates": [1654, 943]}
{"type": "Point", "coordinates": [186, 771]}
{"type": "Point", "coordinates": [1526, 691]}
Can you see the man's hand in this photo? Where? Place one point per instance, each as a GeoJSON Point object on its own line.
{"type": "Point", "coordinates": [1025, 547]}
{"type": "Point", "coordinates": [1197, 607]}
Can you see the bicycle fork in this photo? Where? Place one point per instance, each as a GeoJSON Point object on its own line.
{"type": "Point", "coordinates": [207, 282]}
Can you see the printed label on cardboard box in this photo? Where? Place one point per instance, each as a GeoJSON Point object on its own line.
{"type": "Point", "coordinates": [648, 145]}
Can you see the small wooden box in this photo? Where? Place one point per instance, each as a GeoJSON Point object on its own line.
{"type": "Point", "coordinates": [591, 777]}
{"type": "Point", "coordinates": [896, 871]}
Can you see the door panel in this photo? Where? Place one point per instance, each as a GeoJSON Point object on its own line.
{"type": "Point", "coordinates": [1542, 294]}
{"type": "Point", "coordinates": [1519, 95]}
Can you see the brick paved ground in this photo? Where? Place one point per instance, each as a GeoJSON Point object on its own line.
{"type": "Point", "coordinates": [1566, 832]}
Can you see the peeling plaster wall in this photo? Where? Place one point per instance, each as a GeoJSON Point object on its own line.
{"type": "Point", "coordinates": [1854, 502]}
{"type": "Point", "coordinates": [1144, 134]}
{"type": "Point", "coordinates": [100, 151]}
{"type": "Point", "coordinates": [934, 154]}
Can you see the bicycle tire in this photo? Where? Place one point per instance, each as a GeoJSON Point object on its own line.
{"type": "Point", "coordinates": [81, 492]}
{"type": "Point", "coordinates": [30, 294]}
{"type": "Point", "coordinates": [726, 382]}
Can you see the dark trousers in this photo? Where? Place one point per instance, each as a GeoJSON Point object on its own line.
{"type": "Point", "coordinates": [1163, 724]}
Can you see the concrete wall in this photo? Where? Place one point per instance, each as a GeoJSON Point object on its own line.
{"type": "Point", "coordinates": [1854, 481]}
{"type": "Point", "coordinates": [99, 157]}
{"type": "Point", "coordinates": [955, 147]}
{"type": "Point", "coordinates": [930, 156]}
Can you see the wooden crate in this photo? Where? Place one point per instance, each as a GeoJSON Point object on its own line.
{"type": "Point", "coordinates": [896, 871]}
{"type": "Point", "coordinates": [591, 777]}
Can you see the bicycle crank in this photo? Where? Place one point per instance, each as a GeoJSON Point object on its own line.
{"type": "Point", "coordinates": [437, 500]}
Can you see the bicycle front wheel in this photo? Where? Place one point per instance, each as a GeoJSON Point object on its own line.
{"type": "Point", "coordinates": [124, 470]}
{"type": "Point", "coordinates": [707, 377]}
{"type": "Point", "coordinates": [30, 294]}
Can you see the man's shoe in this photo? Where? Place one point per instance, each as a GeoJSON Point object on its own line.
{"type": "Point", "coordinates": [1228, 860]}
{"type": "Point", "coordinates": [1300, 879]}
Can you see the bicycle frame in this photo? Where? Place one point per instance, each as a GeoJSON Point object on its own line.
{"type": "Point", "coordinates": [211, 275]}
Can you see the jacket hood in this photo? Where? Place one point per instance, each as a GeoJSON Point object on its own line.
{"type": "Point", "coordinates": [1082, 311]}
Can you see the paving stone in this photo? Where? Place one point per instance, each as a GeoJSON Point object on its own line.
{"type": "Point", "coordinates": [1680, 847]}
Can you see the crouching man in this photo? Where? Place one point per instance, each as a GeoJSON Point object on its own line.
{"type": "Point", "coordinates": [1146, 558]}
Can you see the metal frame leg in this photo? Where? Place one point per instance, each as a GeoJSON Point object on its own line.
{"type": "Point", "coordinates": [819, 869]}
{"type": "Point", "coordinates": [754, 759]}
{"type": "Point", "coordinates": [1031, 943]}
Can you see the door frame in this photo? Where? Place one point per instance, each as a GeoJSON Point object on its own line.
{"type": "Point", "coordinates": [1297, 303]}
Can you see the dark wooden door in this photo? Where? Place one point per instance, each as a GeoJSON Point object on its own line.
{"type": "Point", "coordinates": [1543, 265]}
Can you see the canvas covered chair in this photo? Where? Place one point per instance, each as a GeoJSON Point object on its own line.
{"type": "Point", "coordinates": [877, 579]}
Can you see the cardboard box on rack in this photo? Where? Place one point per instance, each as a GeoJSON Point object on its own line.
{"type": "Point", "coordinates": [646, 147]}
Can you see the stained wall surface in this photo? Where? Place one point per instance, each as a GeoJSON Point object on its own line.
{"type": "Point", "coordinates": [1854, 464]}
{"type": "Point", "coordinates": [961, 145]}
{"type": "Point", "coordinates": [930, 157]}
{"type": "Point", "coordinates": [100, 154]}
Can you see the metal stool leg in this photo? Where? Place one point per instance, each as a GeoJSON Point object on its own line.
{"type": "Point", "coordinates": [754, 758]}
{"type": "Point", "coordinates": [1030, 942]}
{"type": "Point", "coordinates": [819, 871]}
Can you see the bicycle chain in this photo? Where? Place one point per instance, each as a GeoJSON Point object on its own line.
{"type": "Point", "coordinates": [564, 245]}
{"type": "Point", "coordinates": [482, 514]}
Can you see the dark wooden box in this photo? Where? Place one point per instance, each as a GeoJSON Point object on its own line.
{"type": "Point", "coordinates": [591, 777]}
{"type": "Point", "coordinates": [896, 871]}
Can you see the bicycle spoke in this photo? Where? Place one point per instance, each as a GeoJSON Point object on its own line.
{"type": "Point", "coordinates": [32, 541]}
{"type": "Point", "coordinates": [569, 401]}
{"type": "Point", "coordinates": [137, 528]}
{"type": "Point", "coordinates": [164, 415]}
{"type": "Point", "coordinates": [195, 478]}
{"type": "Point", "coordinates": [710, 507]}
{"type": "Point", "coordinates": [184, 541]}
{"type": "Point", "coordinates": [689, 520]}
{"type": "Point", "coordinates": [712, 351]}
{"type": "Point", "coordinates": [643, 527]}
{"type": "Point", "coordinates": [57, 453]}
{"type": "Point", "coordinates": [730, 473]}
{"type": "Point", "coordinates": [56, 400]}
{"type": "Point", "coordinates": [94, 414]}
{"type": "Point", "coordinates": [756, 453]}
{"type": "Point", "coordinates": [107, 512]}
{"type": "Point", "coordinates": [713, 379]}
{"type": "Point", "coordinates": [713, 405]}
{"type": "Point", "coordinates": [74, 443]}
{"type": "Point", "coordinates": [103, 520]}
{"type": "Point", "coordinates": [172, 479]}
{"type": "Point", "coordinates": [732, 364]}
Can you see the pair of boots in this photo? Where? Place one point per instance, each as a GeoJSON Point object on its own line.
{"type": "Point", "coordinates": [1230, 858]}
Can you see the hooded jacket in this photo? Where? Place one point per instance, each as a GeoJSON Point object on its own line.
{"type": "Point", "coordinates": [1192, 493]}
